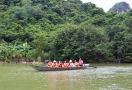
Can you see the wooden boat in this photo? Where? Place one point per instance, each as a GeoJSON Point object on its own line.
{"type": "Point", "coordinates": [45, 68]}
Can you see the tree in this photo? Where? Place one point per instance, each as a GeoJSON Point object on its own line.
{"type": "Point", "coordinates": [117, 19]}
{"type": "Point", "coordinates": [128, 23]}
{"type": "Point", "coordinates": [88, 8]}
{"type": "Point", "coordinates": [15, 52]}
{"type": "Point", "coordinates": [86, 42]}
{"type": "Point", "coordinates": [39, 43]}
{"type": "Point", "coordinates": [98, 20]}
{"type": "Point", "coordinates": [118, 36]}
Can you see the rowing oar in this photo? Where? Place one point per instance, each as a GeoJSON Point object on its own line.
{"type": "Point", "coordinates": [93, 66]}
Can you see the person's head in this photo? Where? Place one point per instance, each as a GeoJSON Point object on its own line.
{"type": "Point", "coordinates": [54, 61]}
{"type": "Point", "coordinates": [66, 61]}
{"type": "Point", "coordinates": [70, 61]}
{"type": "Point", "coordinates": [80, 59]}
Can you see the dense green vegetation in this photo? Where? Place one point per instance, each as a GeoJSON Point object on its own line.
{"type": "Point", "coordinates": [63, 30]}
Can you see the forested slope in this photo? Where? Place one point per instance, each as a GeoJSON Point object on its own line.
{"type": "Point", "coordinates": [63, 30]}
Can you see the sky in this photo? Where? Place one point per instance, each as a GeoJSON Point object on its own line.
{"type": "Point", "coordinates": [107, 4]}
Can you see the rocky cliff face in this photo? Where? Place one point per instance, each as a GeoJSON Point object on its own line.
{"type": "Point", "coordinates": [120, 7]}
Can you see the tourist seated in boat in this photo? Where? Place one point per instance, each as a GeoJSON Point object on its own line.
{"type": "Point", "coordinates": [80, 62]}
{"type": "Point", "coordinates": [49, 64]}
{"type": "Point", "coordinates": [71, 64]}
{"type": "Point", "coordinates": [76, 64]}
{"type": "Point", "coordinates": [54, 64]}
{"type": "Point", "coordinates": [60, 64]}
{"type": "Point", "coordinates": [66, 64]}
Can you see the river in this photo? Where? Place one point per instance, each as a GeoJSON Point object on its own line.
{"type": "Point", "coordinates": [104, 77]}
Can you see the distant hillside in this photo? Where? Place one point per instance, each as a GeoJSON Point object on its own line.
{"type": "Point", "coordinates": [120, 7]}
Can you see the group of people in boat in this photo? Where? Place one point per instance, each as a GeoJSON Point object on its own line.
{"type": "Point", "coordinates": [59, 64]}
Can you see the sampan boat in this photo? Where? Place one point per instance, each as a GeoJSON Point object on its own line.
{"type": "Point", "coordinates": [45, 68]}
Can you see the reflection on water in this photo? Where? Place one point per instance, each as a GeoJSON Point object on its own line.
{"type": "Point", "coordinates": [23, 77]}
{"type": "Point", "coordinates": [64, 80]}
{"type": "Point", "coordinates": [102, 78]}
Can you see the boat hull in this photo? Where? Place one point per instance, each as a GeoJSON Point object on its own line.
{"type": "Point", "coordinates": [44, 68]}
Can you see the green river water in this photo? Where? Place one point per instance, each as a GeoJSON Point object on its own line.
{"type": "Point", "coordinates": [104, 77]}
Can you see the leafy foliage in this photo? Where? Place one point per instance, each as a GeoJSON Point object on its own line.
{"type": "Point", "coordinates": [74, 42]}
{"type": "Point", "coordinates": [64, 29]}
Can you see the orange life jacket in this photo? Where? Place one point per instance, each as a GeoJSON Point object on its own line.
{"type": "Point", "coordinates": [49, 64]}
{"type": "Point", "coordinates": [59, 64]}
{"type": "Point", "coordinates": [77, 64]}
{"type": "Point", "coordinates": [66, 64]}
{"type": "Point", "coordinates": [54, 64]}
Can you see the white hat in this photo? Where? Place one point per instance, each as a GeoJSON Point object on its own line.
{"type": "Point", "coordinates": [70, 61]}
{"type": "Point", "coordinates": [54, 61]}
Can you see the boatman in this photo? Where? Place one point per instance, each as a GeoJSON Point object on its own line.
{"type": "Point", "coordinates": [80, 62]}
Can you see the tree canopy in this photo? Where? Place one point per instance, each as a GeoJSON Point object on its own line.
{"type": "Point", "coordinates": [63, 30]}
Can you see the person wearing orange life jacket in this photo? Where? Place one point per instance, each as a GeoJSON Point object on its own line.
{"type": "Point", "coordinates": [76, 64]}
{"type": "Point", "coordinates": [60, 64]}
{"type": "Point", "coordinates": [49, 64]}
{"type": "Point", "coordinates": [66, 64]}
{"type": "Point", "coordinates": [54, 64]}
